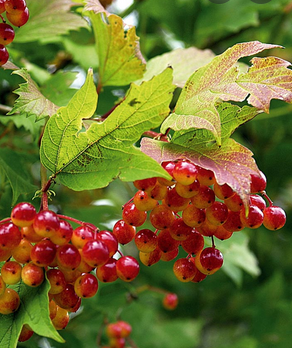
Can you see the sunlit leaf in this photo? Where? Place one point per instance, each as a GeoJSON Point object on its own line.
{"type": "Point", "coordinates": [120, 59]}
{"type": "Point", "coordinates": [91, 158]}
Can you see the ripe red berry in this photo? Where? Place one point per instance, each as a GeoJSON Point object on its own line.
{"type": "Point", "coordinates": [185, 172]}
{"type": "Point", "coordinates": [254, 219]}
{"type": "Point", "coordinates": [184, 270]}
{"type": "Point", "coordinates": [127, 268]}
{"type": "Point", "coordinates": [32, 275]}
{"type": "Point", "coordinates": [46, 223]}
{"type": "Point", "coordinates": [10, 236]}
{"type": "Point", "coordinates": [146, 240]}
{"type": "Point", "coordinates": [109, 239]}
{"type": "Point", "coordinates": [107, 273]}
{"type": "Point", "coordinates": [4, 55]}
{"type": "Point", "coordinates": [274, 218]}
{"type": "Point", "coordinates": [124, 232]}
{"type": "Point", "coordinates": [68, 256]}
{"type": "Point", "coordinates": [11, 272]}
{"type": "Point", "coordinates": [258, 183]}
{"type": "Point", "coordinates": [86, 285]}
{"type": "Point", "coordinates": [209, 260]}
{"type": "Point", "coordinates": [95, 253]}
{"type": "Point", "coordinates": [133, 216]}
{"type": "Point", "coordinates": [43, 253]}
{"type": "Point", "coordinates": [18, 19]}
{"type": "Point", "coordinates": [15, 6]}
{"type": "Point", "coordinates": [6, 34]}
{"type": "Point", "coordinates": [67, 299]}
{"type": "Point", "coordinates": [149, 259]}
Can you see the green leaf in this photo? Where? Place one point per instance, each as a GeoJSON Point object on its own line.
{"type": "Point", "coordinates": [31, 101]}
{"type": "Point", "coordinates": [91, 158]}
{"type": "Point", "coordinates": [11, 163]}
{"type": "Point", "coordinates": [48, 20]}
{"type": "Point", "coordinates": [33, 310]}
{"type": "Point", "coordinates": [217, 81]}
{"type": "Point", "coordinates": [184, 62]}
{"type": "Point", "coordinates": [120, 59]}
{"type": "Point", "coordinates": [231, 163]}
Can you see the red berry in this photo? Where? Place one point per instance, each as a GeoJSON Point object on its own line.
{"type": "Point", "coordinates": [127, 268]}
{"type": "Point", "coordinates": [184, 270]}
{"type": "Point", "coordinates": [146, 240]}
{"type": "Point", "coordinates": [43, 253]}
{"type": "Point", "coordinates": [185, 172]}
{"type": "Point", "coordinates": [95, 253]}
{"type": "Point", "coordinates": [133, 216]}
{"type": "Point", "coordinates": [23, 214]}
{"type": "Point", "coordinates": [86, 285]}
{"type": "Point", "coordinates": [18, 19]}
{"type": "Point", "coordinates": [15, 6]}
{"type": "Point", "coordinates": [107, 273]}
{"type": "Point", "coordinates": [170, 301]}
{"type": "Point", "coordinates": [274, 218]}
{"type": "Point", "coordinates": [209, 260]}
{"type": "Point", "coordinates": [258, 183]}
{"type": "Point", "coordinates": [10, 236]}
{"type": "Point", "coordinates": [124, 232]}
{"type": "Point", "coordinates": [4, 55]}
{"type": "Point", "coordinates": [46, 223]}
{"type": "Point", "coordinates": [68, 256]}
{"type": "Point", "coordinates": [6, 34]}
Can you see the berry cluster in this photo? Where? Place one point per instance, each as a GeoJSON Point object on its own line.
{"type": "Point", "coordinates": [117, 334]}
{"type": "Point", "coordinates": [17, 14]}
{"type": "Point", "coordinates": [185, 210]}
{"type": "Point", "coordinates": [74, 260]}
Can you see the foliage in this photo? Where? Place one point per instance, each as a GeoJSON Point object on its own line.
{"type": "Point", "coordinates": [96, 138]}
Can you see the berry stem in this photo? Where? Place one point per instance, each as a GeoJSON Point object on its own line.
{"type": "Point", "coordinates": [3, 20]}
{"type": "Point", "coordinates": [264, 194]}
{"type": "Point", "coordinates": [5, 220]}
{"type": "Point", "coordinates": [213, 242]}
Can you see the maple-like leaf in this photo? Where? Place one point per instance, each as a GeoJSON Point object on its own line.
{"type": "Point", "coordinates": [31, 101]}
{"type": "Point", "coordinates": [231, 163]}
{"type": "Point", "coordinates": [91, 158]}
{"type": "Point", "coordinates": [48, 20]}
{"type": "Point", "coordinates": [221, 79]}
{"type": "Point", "coordinates": [120, 59]}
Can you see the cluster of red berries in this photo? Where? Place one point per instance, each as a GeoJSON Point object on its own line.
{"type": "Point", "coordinates": [17, 14]}
{"type": "Point", "coordinates": [117, 334]}
{"type": "Point", "coordinates": [34, 244]}
{"type": "Point", "coordinates": [186, 209]}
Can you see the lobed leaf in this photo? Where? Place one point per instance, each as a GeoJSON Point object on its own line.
{"type": "Point", "coordinates": [218, 81]}
{"type": "Point", "coordinates": [31, 101]}
{"type": "Point", "coordinates": [91, 158]}
{"type": "Point", "coordinates": [33, 310]}
{"type": "Point", "coordinates": [48, 20]}
{"type": "Point", "coordinates": [120, 59]}
{"type": "Point", "coordinates": [231, 163]}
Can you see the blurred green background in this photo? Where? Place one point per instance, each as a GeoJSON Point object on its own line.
{"type": "Point", "coordinates": [255, 311]}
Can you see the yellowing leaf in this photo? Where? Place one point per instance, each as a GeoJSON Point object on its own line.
{"type": "Point", "coordinates": [120, 59]}
{"type": "Point", "coordinates": [216, 81]}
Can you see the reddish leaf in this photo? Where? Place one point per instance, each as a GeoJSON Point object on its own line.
{"type": "Point", "coordinates": [217, 81]}
{"type": "Point", "coordinates": [267, 79]}
{"type": "Point", "coordinates": [231, 163]}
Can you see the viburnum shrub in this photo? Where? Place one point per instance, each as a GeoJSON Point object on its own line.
{"type": "Point", "coordinates": [194, 184]}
